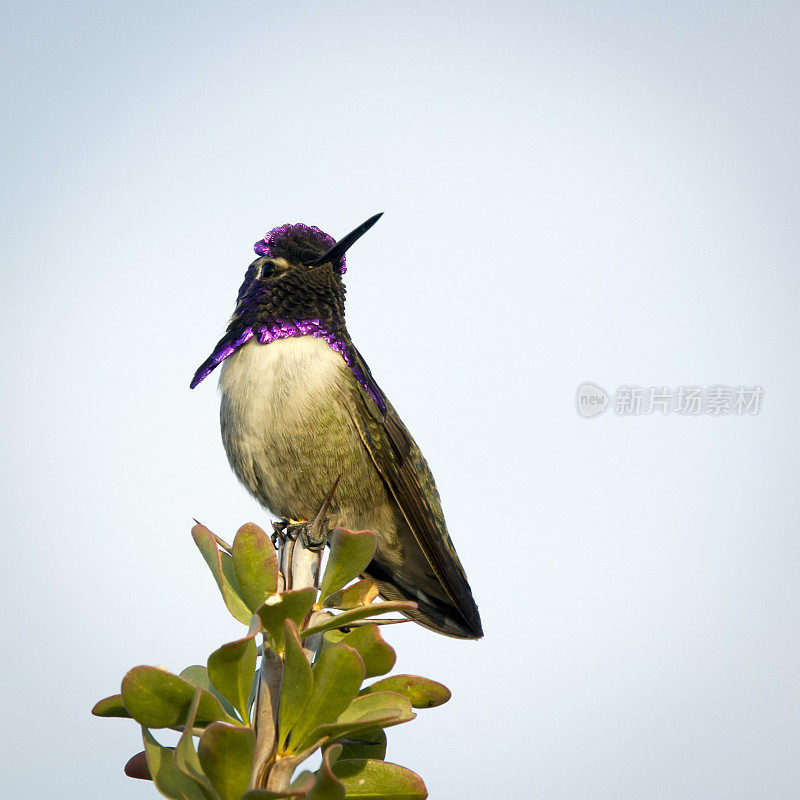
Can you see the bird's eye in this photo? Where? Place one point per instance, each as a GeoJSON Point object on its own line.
{"type": "Point", "coordinates": [265, 269]}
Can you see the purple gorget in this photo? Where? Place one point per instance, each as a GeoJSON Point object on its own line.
{"type": "Point", "coordinates": [287, 330]}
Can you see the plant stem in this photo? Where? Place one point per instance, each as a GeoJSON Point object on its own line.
{"type": "Point", "coordinates": [299, 568]}
{"type": "Point", "coordinates": [265, 714]}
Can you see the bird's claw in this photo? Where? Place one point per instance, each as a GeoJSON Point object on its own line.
{"type": "Point", "coordinates": [279, 532]}
{"type": "Point", "coordinates": [314, 535]}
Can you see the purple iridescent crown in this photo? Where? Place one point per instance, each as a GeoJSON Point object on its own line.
{"type": "Point", "coordinates": [297, 243]}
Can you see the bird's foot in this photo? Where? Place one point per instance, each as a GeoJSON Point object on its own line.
{"type": "Point", "coordinates": [279, 532]}
{"type": "Point", "coordinates": [315, 534]}
{"type": "Point", "coordinates": [287, 529]}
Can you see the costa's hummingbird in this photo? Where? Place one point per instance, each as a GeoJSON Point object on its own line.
{"type": "Point", "coordinates": [300, 409]}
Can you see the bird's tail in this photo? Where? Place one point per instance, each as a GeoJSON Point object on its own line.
{"type": "Point", "coordinates": [432, 613]}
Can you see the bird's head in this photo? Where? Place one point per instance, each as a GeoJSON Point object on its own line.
{"type": "Point", "coordinates": [294, 285]}
{"type": "Point", "coordinates": [298, 273]}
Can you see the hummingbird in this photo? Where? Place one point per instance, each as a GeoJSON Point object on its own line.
{"type": "Point", "coordinates": [300, 410]}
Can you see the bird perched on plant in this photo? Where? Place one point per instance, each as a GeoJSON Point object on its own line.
{"type": "Point", "coordinates": [300, 409]}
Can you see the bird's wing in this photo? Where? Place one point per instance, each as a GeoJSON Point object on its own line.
{"type": "Point", "coordinates": [408, 477]}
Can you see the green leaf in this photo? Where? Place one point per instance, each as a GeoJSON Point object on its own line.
{"type": "Point", "coordinates": [161, 765]}
{"type": "Point", "coordinates": [226, 755]}
{"type": "Point", "coordinates": [369, 779]}
{"type": "Point", "coordinates": [370, 743]}
{"type": "Point", "coordinates": [185, 755]}
{"type": "Point", "coordinates": [422, 692]}
{"type": "Point", "coordinates": [158, 699]}
{"type": "Point", "coordinates": [256, 565]}
{"type": "Point", "coordinates": [337, 674]}
{"type": "Point", "coordinates": [327, 786]}
{"type": "Point", "coordinates": [369, 705]}
{"type": "Point", "coordinates": [221, 566]}
{"type": "Point", "coordinates": [294, 604]}
{"type": "Point", "coordinates": [361, 593]}
{"type": "Point", "coordinates": [303, 782]}
{"type": "Point", "coordinates": [379, 710]}
{"type": "Point", "coordinates": [197, 675]}
{"type": "Point", "coordinates": [111, 707]}
{"type": "Point", "coordinates": [354, 615]}
{"type": "Point", "coordinates": [350, 553]}
{"type": "Point", "coordinates": [169, 780]}
{"type": "Point", "coordinates": [297, 683]}
{"type": "Point", "coordinates": [378, 656]}
{"type": "Point", "coordinates": [231, 669]}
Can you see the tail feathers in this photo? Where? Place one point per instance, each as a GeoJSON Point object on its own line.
{"type": "Point", "coordinates": [432, 613]}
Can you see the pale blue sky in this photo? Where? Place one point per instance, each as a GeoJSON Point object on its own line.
{"type": "Point", "coordinates": [573, 192]}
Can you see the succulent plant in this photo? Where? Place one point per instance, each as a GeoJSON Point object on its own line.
{"type": "Point", "coordinates": [246, 728]}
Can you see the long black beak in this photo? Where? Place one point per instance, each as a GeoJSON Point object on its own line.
{"type": "Point", "coordinates": [344, 244]}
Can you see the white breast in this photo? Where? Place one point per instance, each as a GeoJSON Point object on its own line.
{"type": "Point", "coordinates": [286, 378]}
{"type": "Point", "coordinates": [279, 410]}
